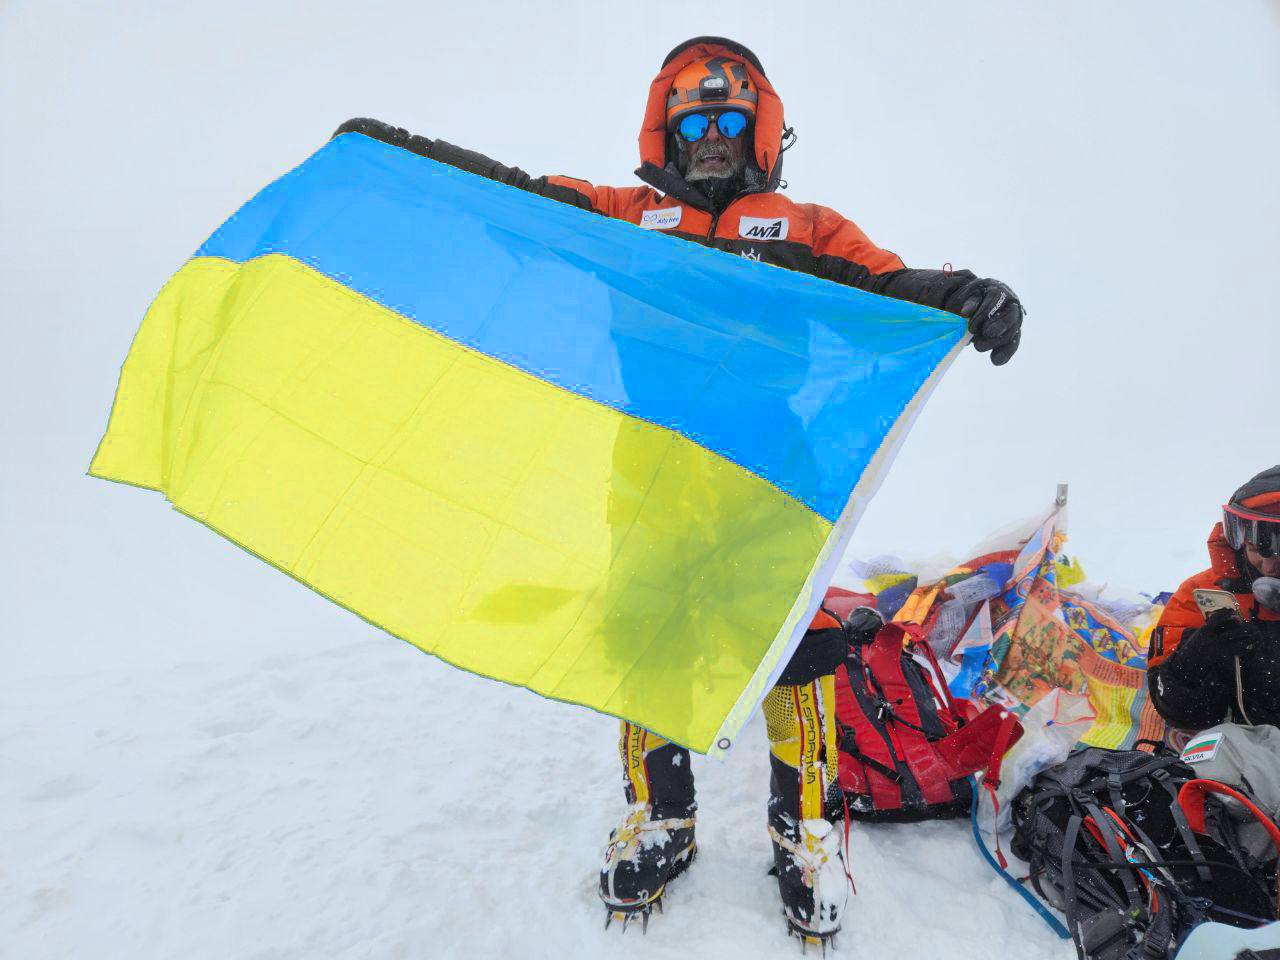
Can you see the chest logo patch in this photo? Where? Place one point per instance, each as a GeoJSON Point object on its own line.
{"type": "Point", "coordinates": [767, 228]}
{"type": "Point", "coordinates": [663, 219]}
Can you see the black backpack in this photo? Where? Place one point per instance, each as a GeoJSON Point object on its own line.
{"type": "Point", "coordinates": [1109, 846]}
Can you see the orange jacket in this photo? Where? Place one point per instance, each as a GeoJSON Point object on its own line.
{"type": "Point", "coordinates": [759, 223]}
{"type": "Point", "coordinates": [766, 227]}
{"type": "Point", "coordinates": [1181, 613]}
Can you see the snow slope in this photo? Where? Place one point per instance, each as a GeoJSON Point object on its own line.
{"type": "Point", "coordinates": [368, 801]}
{"type": "Point", "coordinates": [198, 758]}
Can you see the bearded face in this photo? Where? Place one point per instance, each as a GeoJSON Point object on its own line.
{"type": "Point", "coordinates": [715, 156]}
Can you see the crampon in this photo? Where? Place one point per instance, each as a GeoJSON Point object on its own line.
{"type": "Point", "coordinates": [808, 860]}
{"type": "Point", "coordinates": [645, 853]}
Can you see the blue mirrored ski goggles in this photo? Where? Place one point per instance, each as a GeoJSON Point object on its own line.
{"type": "Point", "coordinates": [693, 127]}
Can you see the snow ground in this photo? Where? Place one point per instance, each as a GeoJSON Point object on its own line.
{"type": "Point", "coordinates": [367, 801]}
{"type": "Point", "coordinates": [198, 758]}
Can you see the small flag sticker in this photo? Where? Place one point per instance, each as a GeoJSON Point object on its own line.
{"type": "Point", "coordinates": [1202, 747]}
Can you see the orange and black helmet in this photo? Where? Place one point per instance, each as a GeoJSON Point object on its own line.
{"type": "Point", "coordinates": [711, 83]}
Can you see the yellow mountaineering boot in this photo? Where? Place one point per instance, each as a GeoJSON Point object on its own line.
{"type": "Point", "coordinates": [654, 843]}
{"type": "Point", "coordinates": [804, 800]}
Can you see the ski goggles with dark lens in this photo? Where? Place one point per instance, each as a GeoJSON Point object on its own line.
{"type": "Point", "coordinates": [1259, 530]}
{"type": "Point", "coordinates": [694, 126]}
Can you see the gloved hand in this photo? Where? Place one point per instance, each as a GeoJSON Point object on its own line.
{"type": "Point", "coordinates": [995, 317]}
{"type": "Point", "coordinates": [1230, 631]}
{"type": "Point", "coordinates": [396, 136]}
{"type": "Point", "coordinates": [1212, 647]}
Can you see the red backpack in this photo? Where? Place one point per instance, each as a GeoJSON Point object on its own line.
{"type": "Point", "coordinates": [907, 747]}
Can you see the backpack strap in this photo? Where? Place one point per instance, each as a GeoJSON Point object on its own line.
{"type": "Point", "coordinates": [902, 788]}
{"type": "Point", "coordinates": [849, 744]}
{"type": "Point", "coordinates": [1084, 809]}
{"type": "Point", "coordinates": [887, 657]}
{"type": "Point", "coordinates": [924, 777]}
{"type": "Point", "coordinates": [1190, 800]}
{"type": "Point", "coordinates": [1114, 791]}
{"type": "Point", "coordinates": [1146, 769]}
{"type": "Point", "coordinates": [1106, 834]}
{"type": "Point", "coordinates": [1188, 835]}
{"type": "Point", "coordinates": [1069, 908]}
{"type": "Point", "coordinates": [1006, 733]}
{"type": "Point", "coordinates": [941, 678]}
{"type": "Point", "coordinates": [1010, 730]}
{"type": "Point", "coordinates": [1159, 932]}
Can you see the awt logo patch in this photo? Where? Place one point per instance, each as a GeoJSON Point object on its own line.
{"type": "Point", "coordinates": [757, 228]}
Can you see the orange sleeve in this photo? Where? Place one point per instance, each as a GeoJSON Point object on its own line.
{"type": "Point", "coordinates": [824, 620]}
{"type": "Point", "coordinates": [622, 203]}
{"type": "Point", "coordinates": [1180, 615]}
{"type": "Point", "coordinates": [835, 236]}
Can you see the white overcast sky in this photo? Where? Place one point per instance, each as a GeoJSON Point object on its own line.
{"type": "Point", "coordinates": [1114, 162]}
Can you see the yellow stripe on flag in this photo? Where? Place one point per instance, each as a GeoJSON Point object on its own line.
{"type": "Point", "coordinates": [504, 524]}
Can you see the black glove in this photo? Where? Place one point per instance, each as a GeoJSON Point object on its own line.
{"type": "Point", "coordinates": [994, 314]}
{"type": "Point", "coordinates": [396, 136]}
{"type": "Point", "coordinates": [464, 159]}
{"type": "Point", "coordinates": [1213, 646]}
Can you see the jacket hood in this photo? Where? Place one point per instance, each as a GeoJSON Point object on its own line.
{"type": "Point", "coordinates": [1225, 563]}
{"type": "Point", "coordinates": [1261, 493]}
{"type": "Point", "coordinates": [769, 126]}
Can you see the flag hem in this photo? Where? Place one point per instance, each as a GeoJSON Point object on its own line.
{"type": "Point", "coordinates": [812, 593]}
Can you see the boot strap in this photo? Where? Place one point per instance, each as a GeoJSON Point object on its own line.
{"type": "Point", "coordinates": [807, 857]}
{"type": "Point", "coordinates": [629, 830]}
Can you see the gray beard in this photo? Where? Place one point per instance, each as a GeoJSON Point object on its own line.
{"type": "Point", "coordinates": [718, 190]}
{"type": "Point", "coordinates": [690, 153]}
{"type": "Point", "coordinates": [696, 176]}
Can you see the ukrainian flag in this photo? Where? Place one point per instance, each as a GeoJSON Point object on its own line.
{"type": "Point", "coordinates": [547, 447]}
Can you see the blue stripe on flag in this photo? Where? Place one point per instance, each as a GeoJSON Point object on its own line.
{"type": "Point", "coordinates": [795, 378]}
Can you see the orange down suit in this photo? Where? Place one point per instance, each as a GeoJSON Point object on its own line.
{"type": "Point", "coordinates": [762, 224]}
{"type": "Point", "coordinates": [759, 223]}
